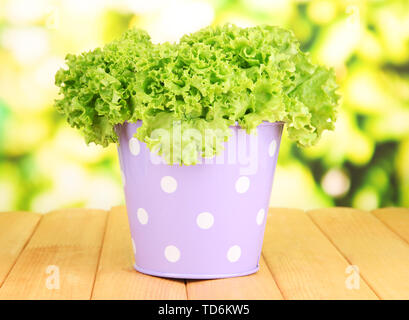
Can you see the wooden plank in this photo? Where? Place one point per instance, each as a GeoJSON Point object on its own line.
{"type": "Point", "coordinates": [16, 229]}
{"type": "Point", "coordinates": [397, 219]}
{"type": "Point", "coordinates": [303, 262]}
{"type": "Point", "coordinates": [60, 260]}
{"type": "Point", "coordinates": [260, 285]}
{"type": "Point", "coordinates": [116, 277]}
{"type": "Point", "coordinates": [381, 256]}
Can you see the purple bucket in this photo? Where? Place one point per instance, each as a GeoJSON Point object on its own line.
{"type": "Point", "coordinates": [203, 221]}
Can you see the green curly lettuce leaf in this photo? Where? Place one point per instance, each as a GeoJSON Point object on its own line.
{"type": "Point", "coordinates": [188, 94]}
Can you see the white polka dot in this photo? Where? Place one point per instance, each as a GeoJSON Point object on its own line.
{"type": "Point", "coordinates": [234, 253]}
{"type": "Point", "coordinates": [272, 148]}
{"type": "Point", "coordinates": [242, 184]}
{"type": "Point", "coordinates": [172, 254]}
{"type": "Point", "coordinates": [142, 216]}
{"type": "Point", "coordinates": [133, 246]}
{"type": "Point", "coordinates": [168, 184]}
{"type": "Point", "coordinates": [134, 146]}
{"type": "Point", "coordinates": [260, 216]}
{"type": "Point", "coordinates": [205, 220]}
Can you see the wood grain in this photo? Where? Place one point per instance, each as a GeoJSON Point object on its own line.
{"type": "Point", "coordinates": [66, 242]}
{"type": "Point", "coordinates": [116, 277]}
{"type": "Point", "coordinates": [15, 230]}
{"type": "Point", "coordinates": [303, 262]}
{"type": "Point", "coordinates": [381, 255]}
{"type": "Point", "coordinates": [305, 256]}
{"type": "Point", "coordinates": [397, 219]}
{"type": "Point", "coordinates": [260, 286]}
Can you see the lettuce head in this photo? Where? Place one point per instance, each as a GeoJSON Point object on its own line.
{"type": "Point", "coordinates": [208, 81]}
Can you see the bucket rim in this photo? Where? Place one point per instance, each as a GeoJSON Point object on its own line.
{"type": "Point", "coordinates": [263, 124]}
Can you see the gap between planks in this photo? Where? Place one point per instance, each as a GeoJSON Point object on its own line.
{"type": "Point", "coordinates": [109, 273]}
{"type": "Point", "coordinates": [117, 279]}
{"type": "Point", "coordinates": [377, 248]}
{"type": "Point", "coordinates": [293, 249]}
{"type": "Point", "coordinates": [396, 219]}
{"type": "Point", "coordinates": [66, 244]}
{"type": "Point", "coordinates": [260, 285]}
{"type": "Point", "coordinates": [304, 263]}
{"type": "Point", "coordinates": [16, 230]}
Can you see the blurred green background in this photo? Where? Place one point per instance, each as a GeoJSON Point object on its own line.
{"type": "Point", "coordinates": [45, 164]}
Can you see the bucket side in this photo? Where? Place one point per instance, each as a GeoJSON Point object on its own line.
{"type": "Point", "coordinates": [201, 221]}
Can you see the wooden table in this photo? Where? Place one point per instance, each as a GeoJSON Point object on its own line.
{"type": "Point", "coordinates": [336, 253]}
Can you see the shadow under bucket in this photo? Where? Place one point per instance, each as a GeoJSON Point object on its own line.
{"type": "Point", "coordinates": [203, 221]}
